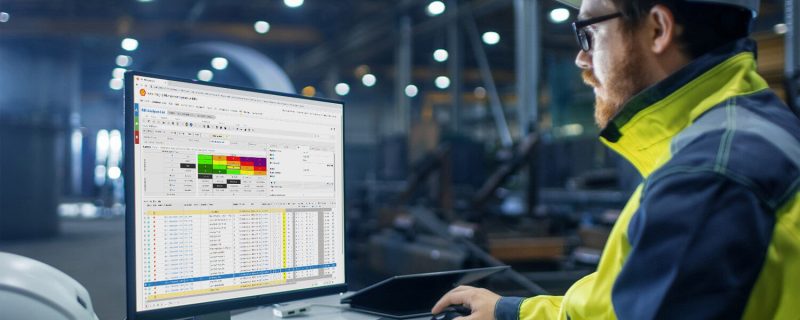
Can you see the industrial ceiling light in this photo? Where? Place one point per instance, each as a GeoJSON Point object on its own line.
{"type": "Point", "coordinates": [130, 44]}
{"type": "Point", "coordinates": [491, 38]}
{"type": "Point", "coordinates": [342, 89]}
{"type": "Point", "coordinates": [4, 16]}
{"type": "Point", "coordinates": [780, 28]}
{"type": "Point", "coordinates": [205, 75]}
{"type": "Point", "coordinates": [442, 82]}
{"type": "Point", "coordinates": [480, 92]}
{"type": "Point", "coordinates": [436, 8]}
{"type": "Point", "coordinates": [369, 80]}
{"type": "Point", "coordinates": [440, 55]}
{"type": "Point", "coordinates": [559, 15]}
{"type": "Point", "coordinates": [293, 3]}
{"type": "Point", "coordinates": [309, 91]}
{"type": "Point", "coordinates": [114, 173]}
{"type": "Point", "coordinates": [115, 84]}
{"type": "Point", "coordinates": [361, 70]}
{"type": "Point", "coordinates": [124, 61]}
{"type": "Point", "coordinates": [261, 27]}
{"type": "Point", "coordinates": [411, 90]}
{"type": "Point", "coordinates": [219, 63]}
{"type": "Point", "coordinates": [118, 73]}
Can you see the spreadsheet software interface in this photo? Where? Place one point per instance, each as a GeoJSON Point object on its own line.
{"type": "Point", "coordinates": [237, 193]}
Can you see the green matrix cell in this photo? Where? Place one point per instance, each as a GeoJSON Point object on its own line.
{"type": "Point", "coordinates": [204, 163]}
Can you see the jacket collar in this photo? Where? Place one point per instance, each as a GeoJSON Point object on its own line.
{"type": "Point", "coordinates": [641, 132]}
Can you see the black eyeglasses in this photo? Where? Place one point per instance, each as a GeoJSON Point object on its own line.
{"type": "Point", "coordinates": [583, 37]}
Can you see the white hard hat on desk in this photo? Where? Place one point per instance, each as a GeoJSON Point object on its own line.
{"type": "Point", "coordinates": [30, 289]}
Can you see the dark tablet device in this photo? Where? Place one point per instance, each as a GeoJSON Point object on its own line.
{"type": "Point", "coordinates": [413, 295]}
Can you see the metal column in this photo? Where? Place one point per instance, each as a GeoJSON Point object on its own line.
{"type": "Point", "coordinates": [454, 63]}
{"type": "Point", "coordinates": [330, 81]}
{"type": "Point", "coordinates": [792, 54]}
{"type": "Point", "coordinates": [75, 135]}
{"type": "Point", "coordinates": [403, 64]}
{"type": "Point", "coordinates": [486, 75]}
{"type": "Point", "coordinates": [528, 55]}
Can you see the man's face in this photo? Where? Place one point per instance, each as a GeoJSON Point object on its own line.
{"type": "Point", "coordinates": [614, 66]}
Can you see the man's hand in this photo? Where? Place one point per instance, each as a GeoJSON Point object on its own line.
{"type": "Point", "coordinates": [479, 300]}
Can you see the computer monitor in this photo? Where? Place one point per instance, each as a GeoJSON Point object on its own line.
{"type": "Point", "coordinates": [234, 197]}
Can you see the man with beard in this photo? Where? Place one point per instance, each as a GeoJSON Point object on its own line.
{"type": "Point", "coordinates": [713, 231]}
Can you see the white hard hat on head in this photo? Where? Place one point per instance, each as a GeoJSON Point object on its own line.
{"type": "Point", "coordinates": [751, 5]}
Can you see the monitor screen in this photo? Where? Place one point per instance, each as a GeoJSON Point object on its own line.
{"type": "Point", "coordinates": [233, 194]}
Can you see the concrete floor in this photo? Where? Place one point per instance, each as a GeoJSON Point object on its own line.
{"type": "Point", "coordinates": [92, 252]}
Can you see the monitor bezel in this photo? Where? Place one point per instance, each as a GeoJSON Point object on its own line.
{"type": "Point", "coordinates": [130, 245]}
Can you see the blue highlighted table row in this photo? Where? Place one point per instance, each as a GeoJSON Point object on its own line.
{"type": "Point", "coordinates": [237, 275]}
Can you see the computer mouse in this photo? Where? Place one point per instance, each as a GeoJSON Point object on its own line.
{"type": "Point", "coordinates": [452, 312]}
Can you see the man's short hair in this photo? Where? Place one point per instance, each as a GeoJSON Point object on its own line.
{"type": "Point", "coordinates": [706, 26]}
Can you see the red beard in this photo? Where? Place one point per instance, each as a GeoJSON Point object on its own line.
{"type": "Point", "coordinates": [623, 82]}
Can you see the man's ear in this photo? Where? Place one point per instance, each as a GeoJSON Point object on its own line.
{"type": "Point", "coordinates": [662, 28]}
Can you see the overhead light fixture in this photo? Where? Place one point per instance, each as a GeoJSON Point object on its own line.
{"type": "Point", "coordinates": [205, 75]}
{"type": "Point", "coordinates": [480, 92]}
{"type": "Point", "coordinates": [118, 73]}
{"type": "Point", "coordinates": [309, 91]}
{"type": "Point", "coordinates": [4, 16]}
{"type": "Point", "coordinates": [436, 8]}
{"type": "Point", "coordinates": [114, 173]}
{"type": "Point", "coordinates": [342, 89]}
{"type": "Point", "coordinates": [261, 27]}
{"type": "Point", "coordinates": [491, 38]}
{"type": "Point", "coordinates": [115, 84]}
{"type": "Point", "coordinates": [219, 63]}
{"type": "Point", "coordinates": [114, 140]}
{"type": "Point", "coordinates": [130, 44]}
{"type": "Point", "coordinates": [442, 82]}
{"type": "Point", "coordinates": [124, 61]}
{"type": "Point", "coordinates": [559, 15]}
{"type": "Point", "coordinates": [369, 80]}
{"type": "Point", "coordinates": [361, 70]}
{"type": "Point", "coordinates": [293, 3]}
{"type": "Point", "coordinates": [411, 90]}
{"type": "Point", "coordinates": [100, 175]}
{"type": "Point", "coordinates": [440, 55]}
{"type": "Point", "coordinates": [573, 129]}
{"type": "Point", "coordinates": [145, 0]}
{"type": "Point", "coordinates": [780, 28]}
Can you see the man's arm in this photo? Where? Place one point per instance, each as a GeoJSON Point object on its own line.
{"type": "Point", "coordinates": [698, 243]}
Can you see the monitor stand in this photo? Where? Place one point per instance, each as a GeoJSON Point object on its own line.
{"type": "Point", "coordinates": [224, 315]}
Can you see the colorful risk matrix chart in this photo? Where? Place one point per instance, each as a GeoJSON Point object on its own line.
{"type": "Point", "coordinates": [223, 175]}
{"type": "Point", "coordinates": [215, 164]}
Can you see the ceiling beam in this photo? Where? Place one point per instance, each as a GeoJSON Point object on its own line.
{"type": "Point", "coordinates": [375, 36]}
{"type": "Point", "coordinates": [69, 28]}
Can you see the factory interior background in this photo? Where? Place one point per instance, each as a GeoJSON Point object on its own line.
{"type": "Point", "coordinates": [469, 135]}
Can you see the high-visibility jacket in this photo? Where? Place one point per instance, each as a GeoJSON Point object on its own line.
{"type": "Point", "coordinates": [713, 231]}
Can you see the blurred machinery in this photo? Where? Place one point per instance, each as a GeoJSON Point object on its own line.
{"type": "Point", "coordinates": [433, 222]}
